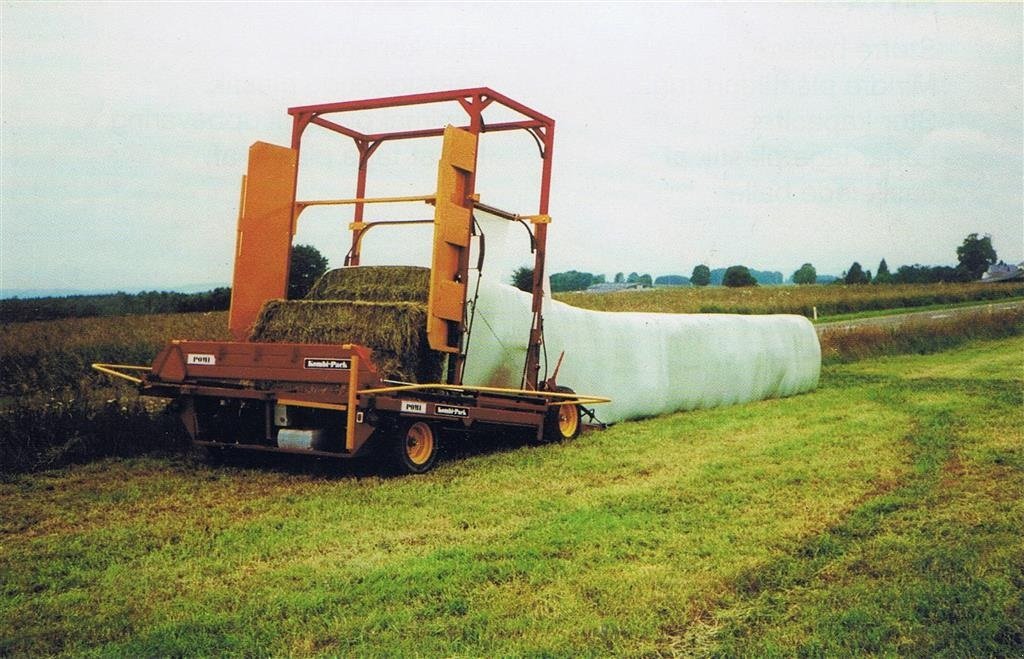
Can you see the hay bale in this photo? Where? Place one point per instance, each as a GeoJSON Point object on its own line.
{"type": "Point", "coordinates": [395, 331]}
{"type": "Point", "coordinates": [381, 307]}
{"type": "Point", "coordinates": [373, 283]}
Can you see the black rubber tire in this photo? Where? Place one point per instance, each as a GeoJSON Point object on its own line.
{"type": "Point", "coordinates": [563, 422]}
{"type": "Point", "coordinates": [414, 447]}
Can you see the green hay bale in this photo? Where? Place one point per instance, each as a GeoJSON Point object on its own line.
{"type": "Point", "coordinates": [381, 307]}
{"type": "Point", "coordinates": [373, 283]}
{"type": "Point", "coordinates": [395, 331]}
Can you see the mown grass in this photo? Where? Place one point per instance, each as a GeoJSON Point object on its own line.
{"type": "Point", "coordinates": [932, 567]}
{"type": "Point", "coordinates": [882, 513]}
{"type": "Point", "coordinates": [830, 299]}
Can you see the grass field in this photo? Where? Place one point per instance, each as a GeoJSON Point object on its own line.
{"type": "Point", "coordinates": [881, 514]}
{"type": "Point", "coordinates": [830, 299]}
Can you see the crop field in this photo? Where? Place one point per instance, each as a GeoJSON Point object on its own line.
{"type": "Point", "coordinates": [882, 514]}
{"type": "Point", "coordinates": [56, 354]}
{"type": "Point", "coordinates": [917, 334]}
{"type": "Point", "coordinates": [830, 299]}
{"type": "Point", "coordinates": [54, 409]}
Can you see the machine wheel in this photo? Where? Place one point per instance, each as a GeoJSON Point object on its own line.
{"type": "Point", "coordinates": [415, 447]}
{"type": "Point", "coordinates": [563, 422]}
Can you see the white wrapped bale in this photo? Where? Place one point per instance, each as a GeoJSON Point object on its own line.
{"type": "Point", "coordinates": [647, 363]}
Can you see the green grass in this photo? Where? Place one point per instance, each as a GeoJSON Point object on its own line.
{"type": "Point", "coordinates": [933, 566]}
{"type": "Point", "coordinates": [881, 514]}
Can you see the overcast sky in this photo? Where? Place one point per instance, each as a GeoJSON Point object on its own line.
{"type": "Point", "coordinates": [762, 134]}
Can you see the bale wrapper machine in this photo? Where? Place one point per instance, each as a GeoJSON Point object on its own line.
{"type": "Point", "coordinates": [331, 399]}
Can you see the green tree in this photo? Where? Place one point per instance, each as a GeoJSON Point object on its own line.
{"type": "Point", "coordinates": [882, 276]}
{"type": "Point", "coordinates": [620, 278]}
{"type": "Point", "coordinates": [645, 280]}
{"type": "Point", "coordinates": [308, 264]}
{"type": "Point", "coordinates": [701, 275]}
{"type": "Point", "coordinates": [976, 255]}
{"type": "Point", "coordinates": [927, 274]}
{"type": "Point", "coordinates": [855, 275]}
{"type": "Point", "coordinates": [632, 278]}
{"type": "Point", "coordinates": [522, 278]}
{"type": "Point", "coordinates": [571, 281]}
{"type": "Point", "coordinates": [805, 275]}
{"type": "Point", "coordinates": [737, 276]}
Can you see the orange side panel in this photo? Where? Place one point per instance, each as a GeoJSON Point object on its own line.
{"type": "Point", "coordinates": [452, 225]}
{"type": "Point", "coordinates": [265, 230]}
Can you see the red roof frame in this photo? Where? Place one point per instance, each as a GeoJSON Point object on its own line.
{"type": "Point", "coordinates": [474, 101]}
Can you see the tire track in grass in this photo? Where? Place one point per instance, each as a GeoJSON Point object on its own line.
{"type": "Point", "coordinates": [906, 570]}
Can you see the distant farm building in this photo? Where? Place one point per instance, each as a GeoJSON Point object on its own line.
{"type": "Point", "coordinates": [613, 287]}
{"type": "Point", "coordinates": [1004, 272]}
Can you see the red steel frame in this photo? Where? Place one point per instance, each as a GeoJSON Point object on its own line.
{"type": "Point", "coordinates": [474, 101]}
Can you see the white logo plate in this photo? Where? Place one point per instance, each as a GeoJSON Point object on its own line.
{"type": "Point", "coordinates": [329, 363]}
{"type": "Point", "coordinates": [415, 407]}
{"type": "Point", "coordinates": [451, 410]}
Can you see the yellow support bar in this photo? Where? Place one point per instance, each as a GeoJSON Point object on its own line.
{"type": "Point", "coordinates": [301, 205]}
{"type": "Point", "coordinates": [109, 369]}
{"type": "Point", "coordinates": [369, 224]}
{"type": "Point", "coordinates": [350, 422]}
{"type": "Point", "coordinates": [569, 398]}
{"type": "Point", "coordinates": [509, 215]}
{"type": "Point", "coordinates": [313, 404]}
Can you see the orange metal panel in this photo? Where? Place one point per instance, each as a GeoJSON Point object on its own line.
{"type": "Point", "coordinates": [265, 230]}
{"type": "Point", "coordinates": [195, 361]}
{"type": "Point", "coordinates": [449, 300]}
{"type": "Point", "coordinates": [452, 226]}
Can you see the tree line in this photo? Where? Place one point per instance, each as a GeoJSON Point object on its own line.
{"type": "Point", "coordinates": [306, 267]}
{"type": "Point", "coordinates": [974, 256]}
{"type": "Point", "coordinates": [562, 282]}
{"type": "Point", "coordinates": [15, 309]}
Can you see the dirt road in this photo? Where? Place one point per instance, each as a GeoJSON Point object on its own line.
{"type": "Point", "coordinates": [935, 314]}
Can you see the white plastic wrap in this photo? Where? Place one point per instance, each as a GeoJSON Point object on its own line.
{"type": "Point", "coordinates": [647, 363]}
